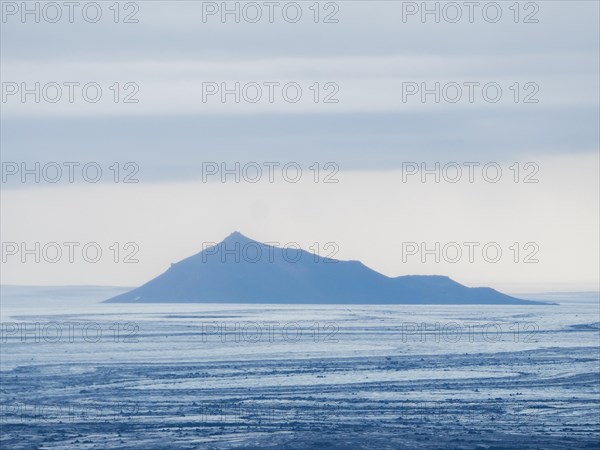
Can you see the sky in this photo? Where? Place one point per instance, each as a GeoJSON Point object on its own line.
{"type": "Point", "coordinates": [344, 95]}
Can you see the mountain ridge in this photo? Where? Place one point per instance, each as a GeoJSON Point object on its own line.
{"type": "Point", "coordinates": [241, 270]}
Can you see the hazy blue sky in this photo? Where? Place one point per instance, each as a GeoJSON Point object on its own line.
{"type": "Point", "coordinates": [369, 133]}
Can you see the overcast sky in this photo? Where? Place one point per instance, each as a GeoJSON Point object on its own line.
{"type": "Point", "coordinates": [366, 61]}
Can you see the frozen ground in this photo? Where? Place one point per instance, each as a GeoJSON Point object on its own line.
{"type": "Point", "coordinates": [80, 374]}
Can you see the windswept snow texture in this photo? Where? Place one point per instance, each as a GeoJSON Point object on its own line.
{"type": "Point", "coordinates": [241, 270]}
{"type": "Point", "coordinates": [195, 376]}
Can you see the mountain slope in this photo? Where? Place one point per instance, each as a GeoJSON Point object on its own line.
{"type": "Point", "coordinates": [240, 270]}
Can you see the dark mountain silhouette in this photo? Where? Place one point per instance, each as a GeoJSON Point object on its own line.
{"type": "Point", "coordinates": [240, 270]}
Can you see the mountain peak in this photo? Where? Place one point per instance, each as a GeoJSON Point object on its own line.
{"type": "Point", "coordinates": [236, 236]}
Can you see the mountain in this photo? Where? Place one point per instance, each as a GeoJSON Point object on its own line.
{"type": "Point", "coordinates": [240, 270]}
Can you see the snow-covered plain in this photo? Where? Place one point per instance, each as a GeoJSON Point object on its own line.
{"type": "Point", "coordinates": [80, 374]}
